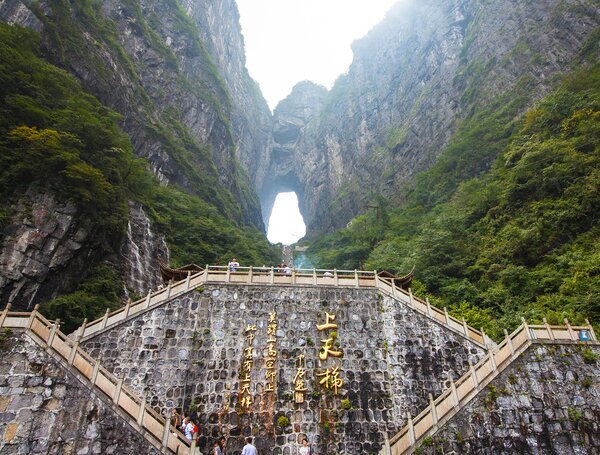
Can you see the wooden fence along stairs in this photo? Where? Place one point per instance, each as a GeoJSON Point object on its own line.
{"type": "Point", "coordinates": [461, 392]}
{"type": "Point", "coordinates": [156, 428]}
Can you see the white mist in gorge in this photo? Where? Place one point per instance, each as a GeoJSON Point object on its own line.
{"type": "Point", "coordinates": [288, 41]}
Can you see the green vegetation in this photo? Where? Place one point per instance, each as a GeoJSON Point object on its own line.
{"type": "Point", "coordinates": [589, 356]}
{"type": "Point", "coordinates": [56, 138]}
{"type": "Point", "coordinates": [516, 241]}
{"type": "Point", "coordinates": [346, 404]}
{"type": "Point", "coordinates": [283, 422]}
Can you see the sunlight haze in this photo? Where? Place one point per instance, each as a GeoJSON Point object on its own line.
{"type": "Point", "coordinates": [286, 224]}
{"type": "Point", "coordinates": [288, 41]}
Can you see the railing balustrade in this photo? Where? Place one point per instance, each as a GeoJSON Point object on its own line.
{"type": "Point", "coordinates": [478, 376]}
{"type": "Point", "coordinates": [151, 423]}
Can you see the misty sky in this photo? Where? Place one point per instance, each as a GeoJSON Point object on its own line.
{"type": "Point", "coordinates": [286, 224]}
{"type": "Point", "coordinates": [288, 41]}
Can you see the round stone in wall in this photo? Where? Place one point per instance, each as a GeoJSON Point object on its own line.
{"type": "Point", "coordinates": [216, 293]}
{"type": "Point", "coordinates": [183, 354]}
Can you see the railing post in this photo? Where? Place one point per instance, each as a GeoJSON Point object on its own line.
{"type": "Point", "coordinates": [509, 343]}
{"type": "Point", "coordinates": [187, 279]}
{"type": "Point", "coordinates": [32, 316]}
{"type": "Point", "coordinates": [411, 297]}
{"type": "Point", "coordinates": [455, 400]}
{"type": "Point", "coordinates": [193, 447]}
{"type": "Point", "coordinates": [228, 275]}
{"type": "Point", "coordinates": [105, 319]}
{"type": "Point", "coordinates": [493, 360]}
{"type": "Point", "coordinates": [4, 314]}
{"type": "Point", "coordinates": [272, 277]}
{"type": "Point", "coordinates": [447, 316]}
{"type": "Point", "coordinates": [428, 306]}
{"type": "Point", "coordinates": [356, 282]}
{"type": "Point", "coordinates": [117, 393]}
{"type": "Point", "coordinates": [394, 292]}
{"type": "Point", "coordinates": [548, 329]}
{"type": "Point", "coordinates": [169, 289]}
{"type": "Point", "coordinates": [411, 429]}
{"type": "Point", "coordinates": [466, 327]}
{"type": "Point", "coordinates": [206, 274]}
{"type": "Point", "coordinates": [293, 276]}
{"type": "Point", "coordinates": [483, 335]}
{"type": "Point", "coordinates": [314, 276]}
{"type": "Point", "coordinates": [166, 430]}
{"type": "Point", "coordinates": [148, 297]}
{"type": "Point", "coordinates": [95, 371]}
{"type": "Point", "coordinates": [140, 416]}
{"type": "Point", "coordinates": [335, 277]}
{"type": "Point", "coordinates": [570, 329]}
{"type": "Point", "coordinates": [75, 346]}
{"type": "Point", "coordinates": [433, 411]}
{"type": "Point", "coordinates": [526, 328]}
{"type": "Point", "coordinates": [250, 273]}
{"type": "Point", "coordinates": [591, 329]}
{"type": "Point", "coordinates": [52, 333]}
{"type": "Point", "coordinates": [474, 374]}
{"type": "Point", "coordinates": [127, 307]}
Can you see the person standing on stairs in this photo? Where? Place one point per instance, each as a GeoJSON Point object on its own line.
{"type": "Point", "coordinates": [249, 448]}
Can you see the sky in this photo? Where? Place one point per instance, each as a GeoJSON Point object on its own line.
{"type": "Point", "coordinates": [288, 41]}
{"type": "Point", "coordinates": [286, 224]}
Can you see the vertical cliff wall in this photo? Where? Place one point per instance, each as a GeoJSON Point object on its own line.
{"type": "Point", "coordinates": [193, 350]}
{"type": "Point", "coordinates": [415, 78]}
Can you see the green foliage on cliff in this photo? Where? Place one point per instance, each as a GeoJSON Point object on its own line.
{"type": "Point", "coordinates": [521, 239]}
{"type": "Point", "coordinates": [55, 137]}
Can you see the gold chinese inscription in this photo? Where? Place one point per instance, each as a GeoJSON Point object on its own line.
{"type": "Point", "coordinates": [299, 379]}
{"type": "Point", "coordinates": [330, 378]}
{"type": "Point", "coordinates": [246, 396]}
{"type": "Point", "coordinates": [271, 353]}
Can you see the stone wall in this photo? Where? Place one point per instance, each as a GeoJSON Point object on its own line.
{"type": "Point", "coordinates": [46, 409]}
{"type": "Point", "coordinates": [546, 402]}
{"type": "Point", "coordinates": [191, 351]}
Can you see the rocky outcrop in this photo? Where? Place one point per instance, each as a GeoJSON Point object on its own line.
{"type": "Point", "coordinates": [45, 247]}
{"type": "Point", "coordinates": [414, 78]}
{"type": "Point", "coordinates": [141, 252]}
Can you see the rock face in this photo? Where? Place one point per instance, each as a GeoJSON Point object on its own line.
{"type": "Point", "coordinates": [46, 409]}
{"type": "Point", "coordinates": [191, 351]}
{"type": "Point", "coordinates": [44, 251]}
{"type": "Point", "coordinates": [414, 78]}
{"type": "Point", "coordinates": [546, 402]}
{"type": "Point", "coordinates": [142, 250]}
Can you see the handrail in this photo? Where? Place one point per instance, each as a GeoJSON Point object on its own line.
{"type": "Point", "coordinates": [150, 422]}
{"type": "Point", "coordinates": [466, 388]}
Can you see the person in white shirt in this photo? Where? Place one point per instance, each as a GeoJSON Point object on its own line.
{"type": "Point", "coordinates": [233, 265]}
{"type": "Point", "coordinates": [249, 449]}
{"type": "Point", "coordinates": [304, 450]}
{"type": "Point", "coordinates": [189, 430]}
{"type": "Point", "coordinates": [287, 270]}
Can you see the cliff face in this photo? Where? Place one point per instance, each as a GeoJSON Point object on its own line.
{"type": "Point", "coordinates": [414, 79]}
{"type": "Point", "coordinates": [175, 71]}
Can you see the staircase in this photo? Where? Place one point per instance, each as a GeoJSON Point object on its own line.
{"type": "Point", "coordinates": [461, 392]}
{"type": "Point", "coordinates": [271, 277]}
{"type": "Point", "coordinates": [154, 427]}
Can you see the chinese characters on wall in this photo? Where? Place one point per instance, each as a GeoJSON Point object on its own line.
{"type": "Point", "coordinates": [271, 353]}
{"type": "Point", "coordinates": [330, 378]}
{"type": "Point", "coordinates": [246, 396]}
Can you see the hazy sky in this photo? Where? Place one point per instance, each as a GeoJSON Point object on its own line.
{"type": "Point", "coordinates": [288, 41]}
{"type": "Point", "coordinates": [286, 224]}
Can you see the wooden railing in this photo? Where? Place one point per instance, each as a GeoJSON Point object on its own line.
{"type": "Point", "coordinates": [271, 276]}
{"type": "Point", "coordinates": [151, 424]}
{"type": "Point", "coordinates": [386, 286]}
{"type": "Point", "coordinates": [459, 393]}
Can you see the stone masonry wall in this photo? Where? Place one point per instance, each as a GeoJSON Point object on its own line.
{"type": "Point", "coordinates": [190, 351]}
{"type": "Point", "coordinates": [46, 409]}
{"type": "Point", "coordinates": [546, 402]}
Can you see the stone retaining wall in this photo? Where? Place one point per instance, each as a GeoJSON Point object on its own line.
{"type": "Point", "coordinates": [191, 351]}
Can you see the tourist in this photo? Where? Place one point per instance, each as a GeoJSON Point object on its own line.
{"type": "Point", "coordinates": [188, 431]}
{"type": "Point", "coordinates": [287, 270]}
{"type": "Point", "coordinates": [233, 265]}
{"type": "Point", "coordinates": [249, 449]}
{"type": "Point", "coordinates": [305, 449]}
{"type": "Point", "coordinates": [216, 449]}
{"type": "Point", "coordinates": [223, 443]}
{"type": "Point", "coordinates": [328, 274]}
{"type": "Point", "coordinates": [175, 418]}
{"type": "Point", "coordinates": [184, 421]}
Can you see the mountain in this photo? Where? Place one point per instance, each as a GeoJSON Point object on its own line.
{"type": "Point", "coordinates": [162, 81]}
{"type": "Point", "coordinates": [419, 78]}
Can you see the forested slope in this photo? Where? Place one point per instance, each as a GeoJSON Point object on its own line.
{"type": "Point", "coordinates": [520, 240]}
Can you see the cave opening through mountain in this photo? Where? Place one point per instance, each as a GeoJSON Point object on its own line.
{"type": "Point", "coordinates": [286, 224]}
